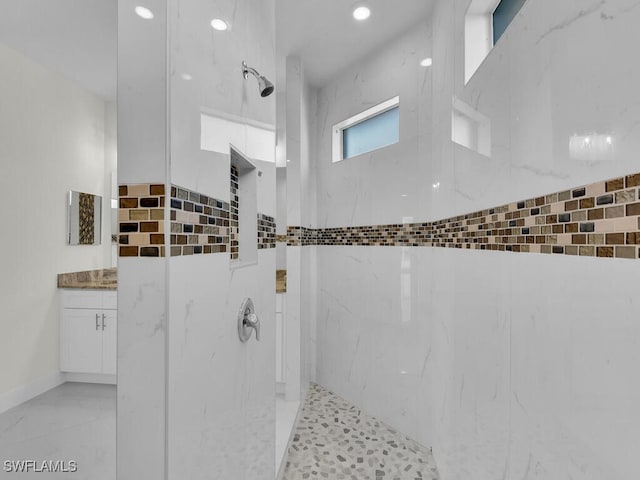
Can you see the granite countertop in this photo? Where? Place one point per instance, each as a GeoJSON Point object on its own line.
{"type": "Point", "coordinates": [281, 281]}
{"type": "Point", "coordinates": [105, 279]}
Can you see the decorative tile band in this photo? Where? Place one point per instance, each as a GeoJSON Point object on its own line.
{"type": "Point", "coordinates": [141, 220]}
{"type": "Point", "coordinates": [199, 224]}
{"type": "Point", "coordinates": [601, 219]}
{"type": "Point", "coordinates": [266, 231]}
{"type": "Point", "coordinates": [234, 213]}
{"type": "Point", "coordinates": [303, 236]}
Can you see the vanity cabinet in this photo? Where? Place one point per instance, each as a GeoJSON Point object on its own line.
{"type": "Point", "coordinates": [88, 331]}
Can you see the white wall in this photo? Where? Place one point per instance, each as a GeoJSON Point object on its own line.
{"type": "Point", "coordinates": [528, 374]}
{"type": "Point", "coordinates": [511, 366]}
{"type": "Point", "coordinates": [52, 140]}
{"type": "Point", "coordinates": [142, 282]}
{"type": "Point", "coordinates": [193, 401]}
{"type": "Point", "coordinates": [221, 396]}
{"type": "Point", "coordinates": [372, 340]}
{"type": "Point", "coordinates": [301, 118]}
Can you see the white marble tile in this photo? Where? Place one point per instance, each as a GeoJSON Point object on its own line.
{"type": "Point", "coordinates": [389, 184]}
{"type": "Point", "coordinates": [527, 358]}
{"type": "Point", "coordinates": [572, 405]}
{"type": "Point", "coordinates": [141, 366]}
{"type": "Point", "coordinates": [220, 393]}
{"type": "Point", "coordinates": [221, 397]}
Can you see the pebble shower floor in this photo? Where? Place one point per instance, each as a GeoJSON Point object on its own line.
{"type": "Point", "coordinates": [336, 440]}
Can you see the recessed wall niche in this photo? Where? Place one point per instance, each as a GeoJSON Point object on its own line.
{"type": "Point", "coordinates": [243, 210]}
{"type": "Point", "coordinates": [470, 128]}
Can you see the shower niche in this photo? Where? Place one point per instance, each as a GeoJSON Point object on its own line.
{"type": "Point", "coordinates": [243, 223]}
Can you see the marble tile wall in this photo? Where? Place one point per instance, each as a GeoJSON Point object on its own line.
{"type": "Point", "coordinates": [511, 366]}
{"type": "Point", "coordinates": [221, 395]}
{"type": "Point", "coordinates": [143, 152]}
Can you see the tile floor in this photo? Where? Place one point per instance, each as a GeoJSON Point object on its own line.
{"type": "Point", "coordinates": [336, 440]}
{"type": "Point", "coordinates": [75, 421]}
{"type": "Point", "coordinates": [333, 439]}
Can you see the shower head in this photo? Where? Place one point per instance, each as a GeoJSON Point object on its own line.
{"type": "Point", "coordinates": [264, 85]}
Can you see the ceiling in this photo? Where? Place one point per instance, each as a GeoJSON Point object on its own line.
{"type": "Point", "coordinates": [324, 34]}
{"type": "Point", "coordinates": [77, 38]}
{"type": "Point", "coordinates": [74, 38]}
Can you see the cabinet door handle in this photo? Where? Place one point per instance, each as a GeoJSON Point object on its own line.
{"type": "Point", "coordinates": [97, 317]}
{"type": "Point", "coordinates": [103, 325]}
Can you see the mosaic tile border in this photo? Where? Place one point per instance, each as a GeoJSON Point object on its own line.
{"type": "Point", "coordinates": [234, 213]}
{"type": "Point", "coordinates": [304, 236]}
{"type": "Point", "coordinates": [199, 223]}
{"type": "Point", "coordinates": [266, 231]}
{"type": "Point", "coordinates": [141, 220]}
{"type": "Point", "coordinates": [597, 220]}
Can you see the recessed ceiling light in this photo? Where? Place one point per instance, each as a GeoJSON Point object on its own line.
{"type": "Point", "coordinates": [361, 13]}
{"type": "Point", "coordinates": [144, 12]}
{"type": "Point", "coordinates": [427, 62]}
{"type": "Point", "coordinates": [219, 24]}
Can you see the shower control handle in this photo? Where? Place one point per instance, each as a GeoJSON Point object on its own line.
{"type": "Point", "coordinates": [252, 321]}
{"type": "Point", "coordinates": [247, 321]}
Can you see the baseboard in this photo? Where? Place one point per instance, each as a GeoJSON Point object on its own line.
{"type": "Point", "coordinates": [90, 378]}
{"type": "Point", "coordinates": [24, 393]}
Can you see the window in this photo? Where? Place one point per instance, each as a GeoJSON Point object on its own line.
{"type": "Point", "coordinates": [504, 13]}
{"type": "Point", "coordinates": [370, 130]}
{"type": "Point", "coordinates": [484, 23]}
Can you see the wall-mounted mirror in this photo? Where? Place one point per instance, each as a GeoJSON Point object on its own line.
{"type": "Point", "coordinates": [85, 218]}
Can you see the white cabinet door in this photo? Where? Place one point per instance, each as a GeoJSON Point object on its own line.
{"type": "Point", "coordinates": [81, 341]}
{"type": "Point", "coordinates": [109, 341]}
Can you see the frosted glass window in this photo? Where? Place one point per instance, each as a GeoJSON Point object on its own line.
{"type": "Point", "coordinates": [376, 127]}
{"type": "Point", "coordinates": [503, 15]}
{"type": "Point", "coordinates": [374, 133]}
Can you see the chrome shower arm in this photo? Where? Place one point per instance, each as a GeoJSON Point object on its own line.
{"type": "Point", "coordinates": [246, 69]}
